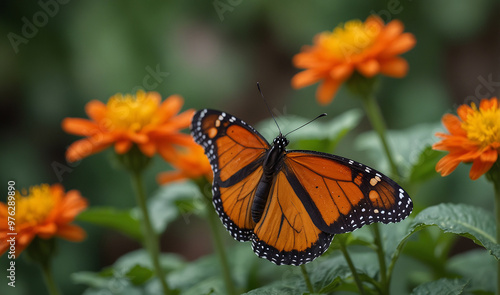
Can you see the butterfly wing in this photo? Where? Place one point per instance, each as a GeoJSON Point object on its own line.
{"type": "Point", "coordinates": [316, 195]}
{"type": "Point", "coordinates": [286, 234]}
{"type": "Point", "coordinates": [342, 195]}
{"type": "Point", "coordinates": [236, 152]}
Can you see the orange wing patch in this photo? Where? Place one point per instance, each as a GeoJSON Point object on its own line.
{"type": "Point", "coordinates": [382, 194]}
{"type": "Point", "coordinates": [285, 224]}
{"type": "Point", "coordinates": [237, 200]}
{"type": "Point", "coordinates": [334, 193]}
{"type": "Point", "coordinates": [327, 169]}
{"type": "Point", "coordinates": [233, 155]}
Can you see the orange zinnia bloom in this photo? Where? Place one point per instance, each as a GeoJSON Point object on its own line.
{"type": "Point", "coordinates": [140, 119]}
{"type": "Point", "coordinates": [190, 162]}
{"type": "Point", "coordinates": [474, 137]}
{"type": "Point", "coordinates": [368, 48]}
{"type": "Point", "coordinates": [46, 211]}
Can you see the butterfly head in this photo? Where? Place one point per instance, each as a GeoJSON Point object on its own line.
{"type": "Point", "coordinates": [280, 142]}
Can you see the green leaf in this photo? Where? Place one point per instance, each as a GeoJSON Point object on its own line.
{"type": "Point", "coordinates": [441, 287]}
{"type": "Point", "coordinates": [91, 279]}
{"type": "Point", "coordinates": [213, 285]}
{"type": "Point", "coordinates": [425, 167]}
{"type": "Point", "coordinates": [138, 275]}
{"type": "Point", "coordinates": [319, 135]}
{"type": "Point", "coordinates": [168, 261]}
{"type": "Point", "coordinates": [467, 221]}
{"type": "Point", "coordinates": [132, 270]}
{"type": "Point", "coordinates": [172, 201]}
{"type": "Point", "coordinates": [477, 266]}
{"type": "Point", "coordinates": [407, 146]}
{"type": "Point", "coordinates": [120, 220]}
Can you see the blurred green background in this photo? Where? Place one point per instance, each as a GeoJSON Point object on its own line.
{"type": "Point", "coordinates": [81, 50]}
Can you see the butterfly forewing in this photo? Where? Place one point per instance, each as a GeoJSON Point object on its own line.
{"type": "Point", "coordinates": [235, 151]}
{"type": "Point", "coordinates": [342, 195]}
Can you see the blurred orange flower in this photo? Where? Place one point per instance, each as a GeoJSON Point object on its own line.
{"type": "Point", "coordinates": [140, 119]}
{"type": "Point", "coordinates": [474, 137]}
{"type": "Point", "coordinates": [46, 211]}
{"type": "Point", "coordinates": [190, 162]}
{"type": "Point", "coordinates": [368, 48]}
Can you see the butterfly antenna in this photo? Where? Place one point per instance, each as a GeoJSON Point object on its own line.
{"type": "Point", "coordinates": [319, 116]}
{"type": "Point", "coordinates": [269, 109]}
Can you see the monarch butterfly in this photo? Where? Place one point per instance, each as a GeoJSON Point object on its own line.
{"type": "Point", "coordinates": [290, 204]}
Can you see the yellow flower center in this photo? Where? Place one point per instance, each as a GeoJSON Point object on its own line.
{"type": "Point", "coordinates": [483, 126]}
{"type": "Point", "coordinates": [36, 206]}
{"type": "Point", "coordinates": [354, 37]}
{"type": "Point", "coordinates": [132, 112]}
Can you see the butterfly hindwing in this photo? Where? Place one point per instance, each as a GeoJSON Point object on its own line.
{"type": "Point", "coordinates": [285, 233]}
{"type": "Point", "coordinates": [235, 151]}
{"type": "Point", "coordinates": [342, 195]}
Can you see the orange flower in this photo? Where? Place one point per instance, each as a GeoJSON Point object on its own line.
{"type": "Point", "coordinates": [474, 137]}
{"type": "Point", "coordinates": [191, 163]}
{"type": "Point", "coordinates": [368, 48]}
{"type": "Point", "coordinates": [46, 211]}
{"type": "Point", "coordinates": [140, 119]}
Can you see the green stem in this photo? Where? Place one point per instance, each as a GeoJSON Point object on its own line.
{"type": "Point", "coordinates": [343, 249]}
{"type": "Point", "coordinates": [49, 279]}
{"type": "Point", "coordinates": [496, 184]}
{"type": "Point", "coordinates": [150, 238]}
{"type": "Point", "coordinates": [381, 259]}
{"type": "Point", "coordinates": [306, 278]}
{"type": "Point", "coordinates": [213, 220]}
{"type": "Point", "coordinates": [375, 116]}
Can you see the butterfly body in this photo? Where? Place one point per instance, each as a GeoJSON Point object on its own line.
{"type": "Point", "coordinates": [271, 164]}
{"type": "Point", "coordinates": [290, 203]}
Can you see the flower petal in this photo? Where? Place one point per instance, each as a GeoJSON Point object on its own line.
{"type": "Point", "coordinates": [123, 146]}
{"type": "Point", "coordinates": [464, 111]}
{"type": "Point", "coordinates": [46, 230]}
{"type": "Point", "coordinates": [306, 58]}
{"type": "Point", "coordinates": [77, 126]}
{"type": "Point", "coordinates": [85, 147]}
{"type": "Point", "coordinates": [326, 90]}
{"type": "Point", "coordinates": [479, 168]}
{"type": "Point", "coordinates": [368, 68]}
{"type": "Point", "coordinates": [489, 155]}
{"type": "Point", "coordinates": [395, 67]}
{"type": "Point", "coordinates": [401, 45]}
{"type": "Point", "coordinates": [96, 110]}
{"type": "Point", "coordinates": [183, 120]}
{"type": "Point", "coordinates": [171, 106]}
{"type": "Point", "coordinates": [71, 232]}
{"type": "Point", "coordinates": [170, 176]}
{"type": "Point", "coordinates": [391, 31]}
{"type": "Point", "coordinates": [71, 205]}
{"type": "Point", "coordinates": [305, 78]}
{"type": "Point", "coordinates": [341, 71]}
{"type": "Point", "coordinates": [447, 165]}
{"type": "Point", "coordinates": [487, 104]}
{"type": "Point", "coordinates": [148, 148]}
{"type": "Point", "coordinates": [454, 125]}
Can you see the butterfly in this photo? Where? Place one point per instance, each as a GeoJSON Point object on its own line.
{"type": "Point", "coordinates": [290, 204]}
